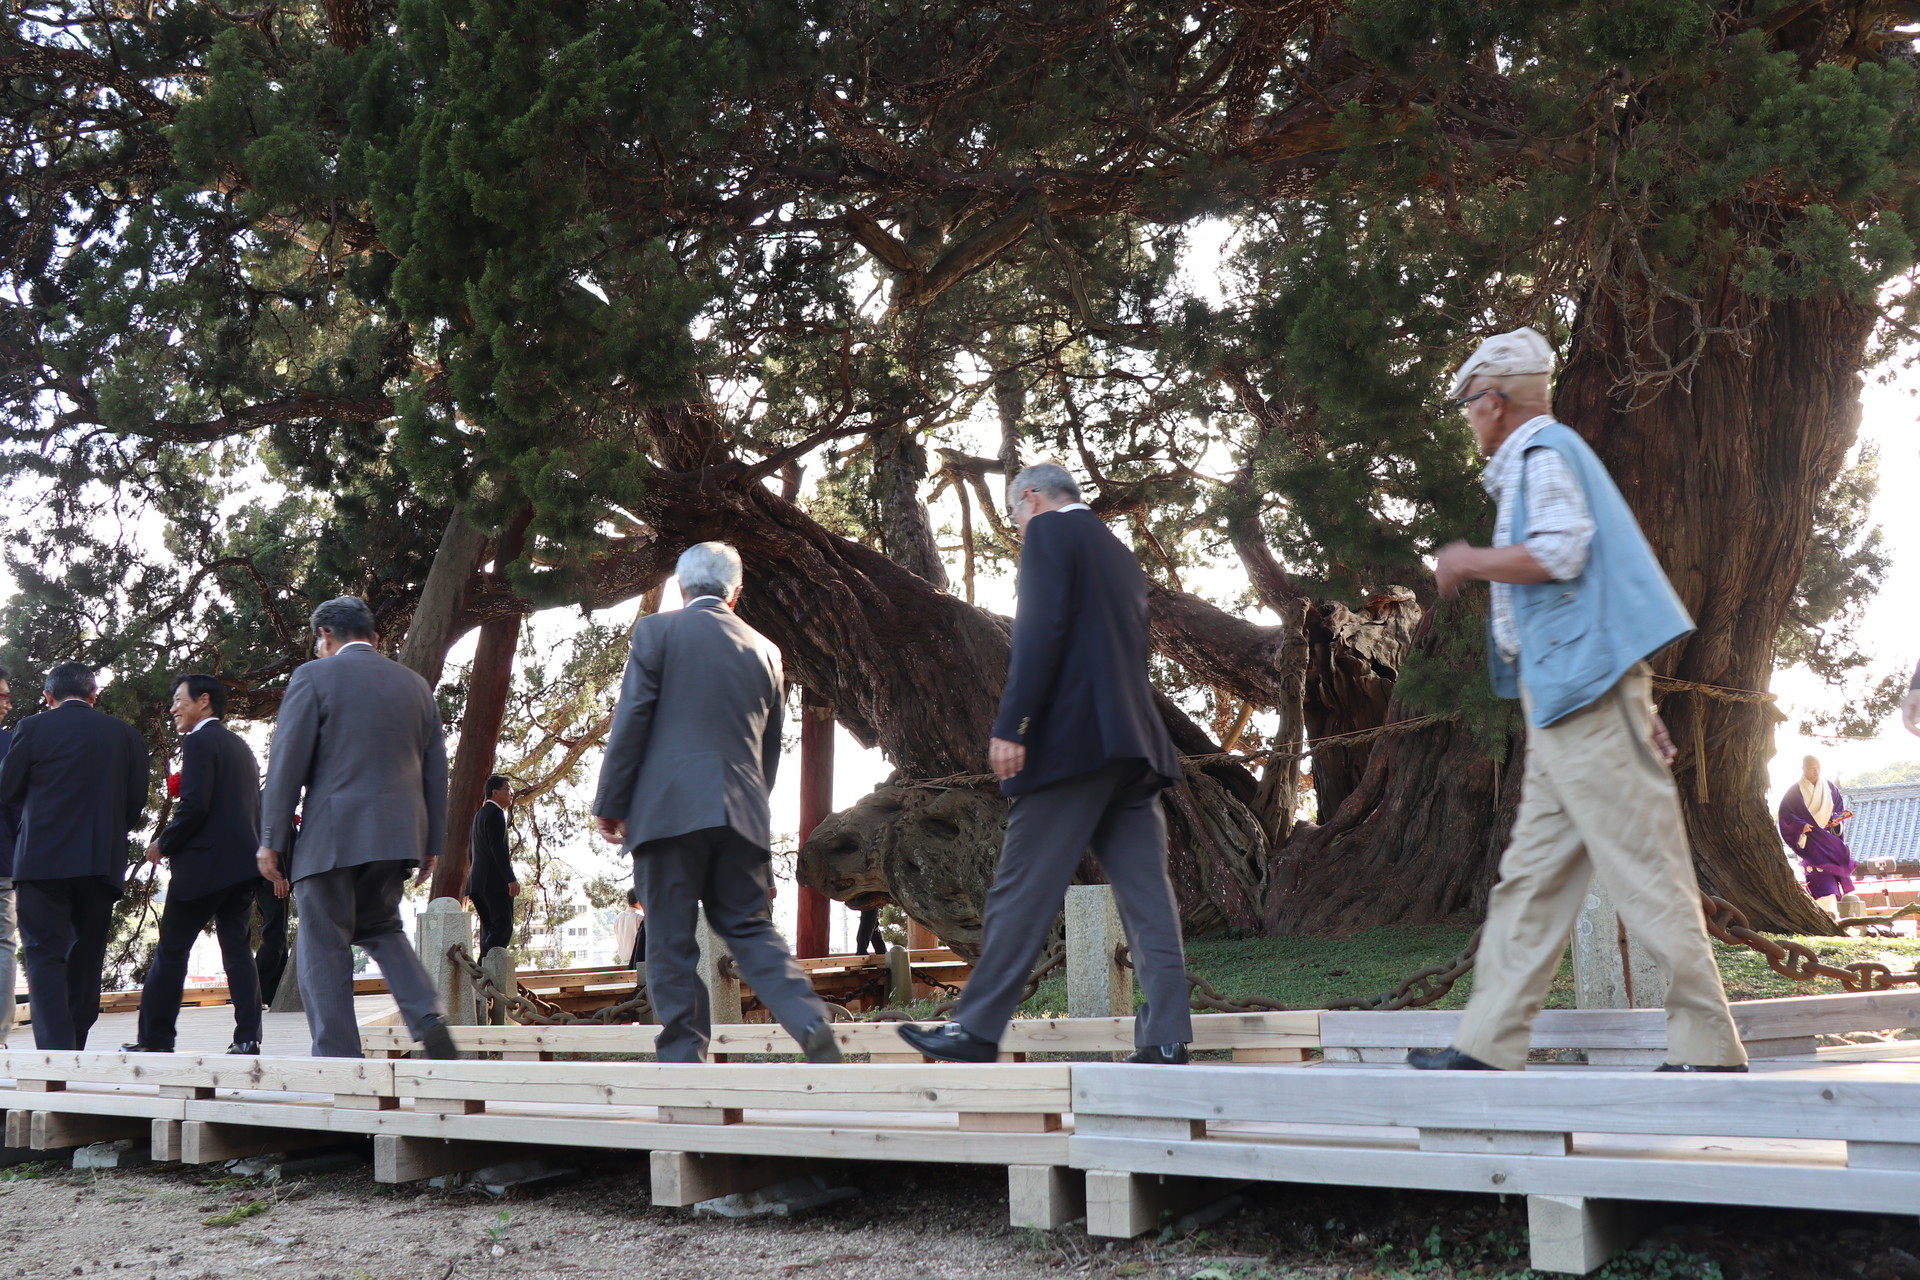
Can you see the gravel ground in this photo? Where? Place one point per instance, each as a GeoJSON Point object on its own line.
{"type": "Point", "coordinates": [910, 1222]}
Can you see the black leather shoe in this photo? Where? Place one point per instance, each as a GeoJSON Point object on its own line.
{"type": "Point", "coordinates": [950, 1042]}
{"type": "Point", "coordinates": [819, 1044]}
{"type": "Point", "coordinates": [244, 1046]}
{"type": "Point", "coordinates": [1688, 1066]}
{"type": "Point", "coordinates": [137, 1047]}
{"type": "Point", "coordinates": [1160, 1055]}
{"type": "Point", "coordinates": [1448, 1059]}
{"type": "Point", "coordinates": [437, 1042]}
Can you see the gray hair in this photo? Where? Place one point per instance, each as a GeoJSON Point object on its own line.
{"type": "Point", "coordinates": [347, 617]}
{"type": "Point", "coordinates": [709, 569]}
{"type": "Point", "coordinates": [1049, 478]}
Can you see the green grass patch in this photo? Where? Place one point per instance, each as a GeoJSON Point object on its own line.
{"type": "Point", "coordinates": [238, 1214]}
{"type": "Point", "coordinates": [1311, 972]}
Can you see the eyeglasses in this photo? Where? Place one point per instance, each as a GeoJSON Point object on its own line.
{"type": "Point", "coordinates": [1462, 403]}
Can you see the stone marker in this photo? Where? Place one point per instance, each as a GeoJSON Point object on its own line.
{"type": "Point", "coordinates": [443, 925]}
{"type": "Point", "coordinates": [722, 990]}
{"type": "Point", "coordinates": [1097, 987]}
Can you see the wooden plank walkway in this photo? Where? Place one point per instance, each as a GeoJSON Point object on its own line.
{"type": "Point", "coordinates": [1121, 1144]}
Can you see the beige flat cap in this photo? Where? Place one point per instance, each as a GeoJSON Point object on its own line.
{"type": "Point", "coordinates": [1504, 354]}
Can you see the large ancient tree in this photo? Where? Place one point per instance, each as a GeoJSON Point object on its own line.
{"type": "Point", "coordinates": [308, 290]}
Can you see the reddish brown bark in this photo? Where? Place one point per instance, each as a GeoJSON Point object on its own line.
{"type": "Point", "coordinates": [480, 724]}
{"type": "Point", "coordinates": [816, 802]}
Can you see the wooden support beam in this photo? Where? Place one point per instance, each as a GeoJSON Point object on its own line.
{"type": "Point", "coordinates": [19, 1129]}
{"type": "Point", "coordinates": [1883, 1155]}
{"type": "Point", "coordinates": [164, 1141]}
{"type": "Point", "coordinates": [1576, 1235]}
{"type": "Point", "coordinates": [401, 1158]}
{"type": "Point", "coordinates": [203, 1141]}
{"type": "Point", "coordinates": [366, 1101]}
{"type": "Point", "coordinates": [40, 1086]}
{"type": "Point", "coordinates": [1044, 1195]}
{"type": "Point", "coordinates": [449, 1106]}
{"type": "Point", "coordinates": [1272, 1055]}
{"type": "Point", "coordinates": [52, 1130]}
{"type": "Point", "coordinates": [1159, 1128]}
{"type": "Point", "coordinates": [700, 1115]}
{"type": "Point", "coordinates": [1122, 1205]}
{"type": "Point", "coordinates": [1497, 1142]}
{"type": "Point", "coordinates": [195, 1092]}
{"type": "Point", "coordinates": [1009, 1121]}
{"type": "Point", "coordinates": [682, 1178]}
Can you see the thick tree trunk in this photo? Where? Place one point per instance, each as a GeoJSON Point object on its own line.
{"type": "Point", "coordinates": [480, 724]}
{"type": "Point", "coordinates": [1355, 657]}
{"type": "Point", "coordinates": [1724, 469]}
{"type": "Point", "coordinates": [436, 620]}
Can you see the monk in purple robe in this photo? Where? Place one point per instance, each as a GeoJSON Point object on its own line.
{"type": "Point", "coordinates": [1810, 816]}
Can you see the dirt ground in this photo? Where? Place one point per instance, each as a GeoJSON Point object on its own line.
{"type": "Point", "coordinates": [910, 1222]}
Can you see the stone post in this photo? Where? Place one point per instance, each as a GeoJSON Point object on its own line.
{"type": "Point", "coordinates": [497, 964]}
{"type": "Point", "coordinates": [899, 976]}
{"type": "Point", "coordinates": [1096, 986]}
{"type": "Point", "coordinates": [722, 990]}
{"type": "Point", "coordinates": [1611, 969]}
{"type": "Point", "coordinates": [445, 924]}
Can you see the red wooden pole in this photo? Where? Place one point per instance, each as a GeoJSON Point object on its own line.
{"type": "Point", "coordinates": [816, 802]}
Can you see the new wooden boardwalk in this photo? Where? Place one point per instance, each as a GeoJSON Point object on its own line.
{"type": "Point", "coordinates": [1124, 1145]}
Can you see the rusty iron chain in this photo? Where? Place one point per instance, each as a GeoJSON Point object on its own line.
{"type": "Point", "coordinates": [1795, 960]}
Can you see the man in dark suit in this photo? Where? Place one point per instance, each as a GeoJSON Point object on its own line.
{"type": "Point", "coordinates": [490, 882]}
{"type": "Point", "coordinates": [9, 828]}
{"type": "Point", "coordinates": [1083, 752]}
{"type": "Point", "coordinates": [209, 843]}
{"type": "Point", "coordinates": [80, 777]}
{"type": "Point", "coordinates": [360, 736]}
{"type": "Point", "coordinates": [690, 759]}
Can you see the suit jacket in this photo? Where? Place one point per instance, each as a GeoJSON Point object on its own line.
{"type": "Point", "coordinates": [210, 839]}
{"type": "Point", "coordinates": [696, 733]}
{"type": "Point", "coordinates": [489, 869]}
{"type": "Point", "coordinates": [80, 777]}
{"type": "Point", "coordinates": [1077, 692]}
{"type": "Point", "coordinates": [9, 816]}
{"type": "Point", "coordinates": [361, 736]}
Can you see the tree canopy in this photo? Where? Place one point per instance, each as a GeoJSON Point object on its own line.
{"type": "Point", "coordinates": [288, 291]}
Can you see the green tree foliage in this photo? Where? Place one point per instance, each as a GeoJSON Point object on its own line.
{"type": "Point", "coordinates": [282, 288]}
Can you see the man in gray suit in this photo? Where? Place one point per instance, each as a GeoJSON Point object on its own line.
{"type": "Point", "coordinates": [683, 787]}
{"type": "Point", "coordinates": [360, 735]}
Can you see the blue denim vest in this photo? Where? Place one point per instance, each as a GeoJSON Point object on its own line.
{"type": "Point", "coordinates": [1577, 638]}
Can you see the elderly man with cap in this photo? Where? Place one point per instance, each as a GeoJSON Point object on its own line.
{"type": "Point", "coordinates": [1579, 603]}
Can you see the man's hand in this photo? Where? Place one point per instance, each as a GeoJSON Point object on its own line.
{"type": "Point", "coordinates": [612, 830]}
{"type": "Point", "coordinates": [269, 863]}
{"type": "Point", "coordinates": [153, 853]}
{"type": "Point", "coordinates": [513, 886]}
{"type": "Point", "coordinates": [1663, 742]}
{"type": "Point", "coordinates": [424, 874]}
{"type": "Point", "coordinates": [1006, 758]}
{"type": "Point", "coordinates": [1450, 565]}
{"type": "Point", "coordinates": [1910, 711]}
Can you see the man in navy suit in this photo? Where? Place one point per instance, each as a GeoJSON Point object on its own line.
{"type": "Point", "coordinates": [490, 882]}
{"type": "Point", "coordinates": [80, 777]}
{"type": "Point", "coordinates": [9, 828]}
{"type": "Point", "coordinates": [1081, 748]}
{"type": "Point", "coordinates": [209, 843]}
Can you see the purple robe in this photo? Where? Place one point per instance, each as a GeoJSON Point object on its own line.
{"type": "Point", "coordinates": [1828, 861]}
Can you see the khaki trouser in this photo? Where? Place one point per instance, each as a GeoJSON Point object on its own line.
{"type": "Point", "coordinates": [1596, 800]}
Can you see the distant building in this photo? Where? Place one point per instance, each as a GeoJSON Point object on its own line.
{"type": "Point", "coordinates": [1885, 832]}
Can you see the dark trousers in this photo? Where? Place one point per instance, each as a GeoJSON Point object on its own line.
{"type": "Point", "coordinates": [338, 909]}
{"type": "Point", "coordinates": [271, 959]}
{"type": "Point", "coordinates": [639, 956]}
{"type": "Point", "coordinates": [733, 879]}
{"type": "Point", "coordinates": [496, 919]}
{"type": "Point", "coordinates": [230, 911]}
{"type": "Point", "coordinates": [1110, 812]}
{"type": "Point", "coordinates": [869, 935]}
{"type": "Point", "coordinates": [63, 944]}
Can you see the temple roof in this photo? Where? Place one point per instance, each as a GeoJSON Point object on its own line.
{"type": "Point", "coordinates": [1886, 822]}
